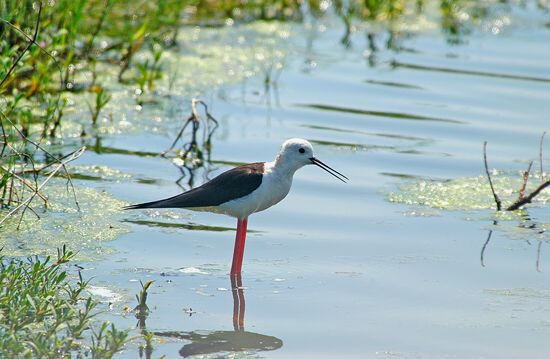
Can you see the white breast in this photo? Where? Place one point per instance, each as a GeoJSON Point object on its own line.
{"type": "Point", "coordinates": [274, 187]}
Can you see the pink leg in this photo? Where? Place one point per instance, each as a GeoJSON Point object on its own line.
{"type": "Point", "coordinates": [238, 252]}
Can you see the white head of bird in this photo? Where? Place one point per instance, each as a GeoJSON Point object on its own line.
{"type": "Point", "coordinates": [296, 153]}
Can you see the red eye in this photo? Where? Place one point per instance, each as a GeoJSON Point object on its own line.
{"type": "Point", "coordinates": [301, 150]}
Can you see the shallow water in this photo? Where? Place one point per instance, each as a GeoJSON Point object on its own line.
{"type": "Point", "coordinates": [339, 270]}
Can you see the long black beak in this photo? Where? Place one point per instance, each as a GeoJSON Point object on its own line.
{"type": "Point", "coordinates": [330, 170]}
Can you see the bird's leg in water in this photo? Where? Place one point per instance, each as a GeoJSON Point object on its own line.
{"type": "Point", "coordinates": [238, 252]}
{"type": "Point", "coordinates": [238, 302]}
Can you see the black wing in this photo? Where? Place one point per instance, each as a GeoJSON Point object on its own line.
{"type": "Point", "coordinates": [232, 184]}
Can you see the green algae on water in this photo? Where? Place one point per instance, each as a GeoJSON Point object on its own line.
{"type": "Point", "coordinates": [467, 193]}
{"type": "Point", "coordinates": [474, 194]}
{"type": "Point", "coordinates": [84, 231]}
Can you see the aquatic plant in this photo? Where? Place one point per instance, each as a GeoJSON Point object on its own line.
{"type": "Point", "coordinates": [102, 97]}
{"type": "Point", "coordinates": [45, 315]}
{"type": "Point", "coordinates": [141, 309]}
{"type": "Point", "coordinates": [146, 348]}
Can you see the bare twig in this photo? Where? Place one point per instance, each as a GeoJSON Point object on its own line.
{"type": "Point", "coordinates": [195, 120]}
{"type": "Point", "coordinates": [522, 198]}
{"type": "Point", "coordinates": [194, 109]}
{"type": "Point", "coordinates": [177, 137]}
{"type": "Point", "coordinates": [71, 157]}
{"type": "Point", "coordinates": [525, 179]}
{"type": "Point", "coordinates": [4, 138]}
{"type": "Point", "coordinates": [497, 199]}
{"type": "Point", "coordinates": [540, 156]}
{"type": "Point", "coordinates": [29, 185]}
{"type": "Point", "coordinates": [56, 160]}
{"type": "Point", "coordinates": [210, 118]}
{"type": "Point", "coordinates": [523, 201]}
{"type": "Point", "coordinates": [13, 173]}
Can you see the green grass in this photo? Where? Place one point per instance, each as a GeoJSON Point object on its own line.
{"type": "Point", "coordinates": [46, 314]}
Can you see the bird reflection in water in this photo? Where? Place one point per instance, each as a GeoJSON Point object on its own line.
{"type": "Point", "coordinates": [220, 341]}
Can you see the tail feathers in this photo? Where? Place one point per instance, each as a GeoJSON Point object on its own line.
{"type": "Point", "coordinates": [134, 206]}
{"type": "Point", "coordinates": [155, 204]}
{"type": "Point", "coordinates": [178, 201]}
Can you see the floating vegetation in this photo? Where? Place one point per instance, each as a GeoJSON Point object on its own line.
{"type": "Point", "coordinates": [228, 55]}
{"type": "Point", "coordinates": [466, 193]}
{"type": "Point", "coordinates": [87, 229]}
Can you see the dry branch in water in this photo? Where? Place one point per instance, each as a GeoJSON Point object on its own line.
{"type": "Point", "coordinates": [192, 154]}
{"type": "Point", "coordinates": [523, 201]}
{"type": "Point", "coordinates": [525, 179]}
{"type": "Point", "coordinates": [540, 156]}
{"type": "Point", "coordinates": [496, 197]}
{"type": "Point", "coordinates": [191, 147]}
{"type": "Point", "coordinates": [522, 198]}
{"type": "Point", "coordinates": [70, 157]}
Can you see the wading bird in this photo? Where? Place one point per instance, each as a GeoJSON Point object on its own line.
{"type": "Point", "coordinates": [247, 189]}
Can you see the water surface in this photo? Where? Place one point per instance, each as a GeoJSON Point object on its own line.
{"type": "Point", "coordinates": [337, 270]}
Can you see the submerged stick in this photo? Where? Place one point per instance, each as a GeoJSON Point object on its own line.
{"type": "Point", "coordinates": [496, 197]}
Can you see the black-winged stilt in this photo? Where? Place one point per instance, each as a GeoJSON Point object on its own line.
{"type": "Point", "coordinates": [247, 189]}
